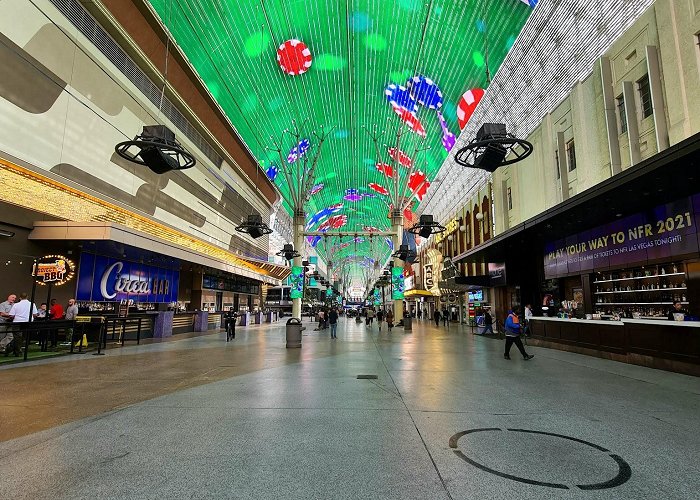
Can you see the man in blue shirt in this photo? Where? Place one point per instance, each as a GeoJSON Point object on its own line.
{"type": "Point", "coordinates": [513, 330]}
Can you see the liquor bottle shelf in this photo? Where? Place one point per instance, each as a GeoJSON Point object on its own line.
{"type": "Point", "coordinates": [637, 291]}
{"type": "Point", "coordinates": [640, 277]}
{"type": "Point", "coordinates": [636, 303]}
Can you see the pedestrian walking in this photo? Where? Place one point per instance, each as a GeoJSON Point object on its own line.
{"type": "Point", "coordinates": [333, 321]}
{"type": "Point", "coordinates": [436, 317]}
{"type": "Point", "coordinates": [230, 324]}
{"type": "Point", "coordinates": [390, 319]}
{"type": "Point", "coordinates": [380, 318]}
{"type": "Point", "coordinates": [488, 323]}
{"type": "Point", "coordinates": [513, 330]}
{"type": "Point", "coordinates": [370, 316]}
{"type": "Point", "coordinates": [445, 317]}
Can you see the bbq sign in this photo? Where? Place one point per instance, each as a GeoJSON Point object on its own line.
{"type": "Point", "coordinates": [53, 270]}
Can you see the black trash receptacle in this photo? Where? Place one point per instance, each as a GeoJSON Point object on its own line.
{"type": "Point", "coordinates": [293, 333]}
{"type": "Point", "coordinates": [408, 323]}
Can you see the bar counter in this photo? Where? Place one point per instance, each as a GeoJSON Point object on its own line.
{"type": "Point", "coordinates": [663, 344]}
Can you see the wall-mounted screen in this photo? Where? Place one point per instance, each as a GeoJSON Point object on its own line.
{"type": "Point", "coordinates": [397, 281]}
{"type": "Point", "coordinates": [296, 282]}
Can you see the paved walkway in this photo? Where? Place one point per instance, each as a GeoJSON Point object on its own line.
{"type": "Point", "coordinates": [447, 417]}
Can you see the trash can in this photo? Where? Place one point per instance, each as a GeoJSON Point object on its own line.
{"type": "Point", "coordinates": [294, 330]}
{"type": "Point", "coordinates": [408, 324]}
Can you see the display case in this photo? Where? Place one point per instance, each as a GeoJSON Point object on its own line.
{"type": "Point", "coordinates": [642, 292]}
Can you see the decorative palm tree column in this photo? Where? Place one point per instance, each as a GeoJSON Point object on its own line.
{"type": "Point", "coordinates": [397, 228]}
{"type": "Point", "coordinates": [299, 168]}
{"type": "Point", "coordinates": [401, 196]}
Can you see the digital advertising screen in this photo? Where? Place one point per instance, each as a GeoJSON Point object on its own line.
{"type": "Point", "coordinates": [296, 281]}
{"type": "Point", "coordinates": [397, 282]}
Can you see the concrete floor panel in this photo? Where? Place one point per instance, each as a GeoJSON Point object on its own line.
{"type": "Point", "coordinates": [199, 418]}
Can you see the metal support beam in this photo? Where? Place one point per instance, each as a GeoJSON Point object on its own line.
{"type": "Point", "coordinates": [352, 234]}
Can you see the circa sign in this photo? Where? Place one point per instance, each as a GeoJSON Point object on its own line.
{"type": "Point", "coordinates": [128, 284]}
{"type": "Point", "coordinates": [106, 279]}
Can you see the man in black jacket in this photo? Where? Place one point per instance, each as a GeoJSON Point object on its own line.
{"type": "Point", "coordinates": [333, 321]}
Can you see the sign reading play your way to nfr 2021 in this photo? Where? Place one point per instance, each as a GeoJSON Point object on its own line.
{"type": "Point", "coordinates": [663, 232]}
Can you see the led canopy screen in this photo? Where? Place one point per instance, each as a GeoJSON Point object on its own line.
{"type": "Point", "coordinates": [358, 68]}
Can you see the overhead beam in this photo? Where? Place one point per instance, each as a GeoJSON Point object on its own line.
{"type": "Point", "coordinates": [354, 233]}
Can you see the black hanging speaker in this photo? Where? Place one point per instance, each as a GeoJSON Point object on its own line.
{"type": "Point", "coordinates": [288, 252]}
{"type": "Point", "coordinates": [492, 145]}
{"type": "Point", "coordinates": [157, 149]}
{"type": "Point", "coordinates": [426, 226]}
{"type": "Point", "coordinates": [254, 226]}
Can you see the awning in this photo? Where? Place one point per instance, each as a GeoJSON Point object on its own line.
{"type": "Point", "coordinates": [418, 293]}
{"type": "Point", "coordinates": [95, 231]}
{"type": "Point", "coordinates": [666, 176]}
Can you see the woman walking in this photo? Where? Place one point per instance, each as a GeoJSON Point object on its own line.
{"type": "Point", "coordinates": [380, 317]}
{"type": "Point", "coordinates": [390, 319]}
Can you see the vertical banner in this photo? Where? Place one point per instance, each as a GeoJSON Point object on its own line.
{"type": "Point", "coordinates": [397, 282]}
{"type": "Point", "coordinates": [296, 281]}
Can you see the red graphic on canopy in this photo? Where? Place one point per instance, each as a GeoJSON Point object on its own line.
{"type": "Point", "coordinates": [335, 222]}
{"type": "Point", "coordinates": [400, 157]}
{"type": "Point", "coordinates": [467, 104]}
{"type": "Point", "coordinates": [294, 57]}
{"type": "Point", "coordinates": [410, 119]}
{"type": "Point", "coordinates": [386, 169]}
{"type": "Point", "coordinates": [418, 184]}
{"type": "Point", "coordinates": [379, 189]}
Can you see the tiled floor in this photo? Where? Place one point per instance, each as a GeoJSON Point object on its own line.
{"type": "Point", "coordinates": [199, 418]}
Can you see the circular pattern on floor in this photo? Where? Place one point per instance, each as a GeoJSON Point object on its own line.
{"type": "Point", "coordinates": [541, 458]}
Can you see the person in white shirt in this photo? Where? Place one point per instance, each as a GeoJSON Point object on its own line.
{"type": "Point", "coordinates": [20, 314]}
{"type": "Point", "coordinates": [20, 310]}
{"type": "Point", "coordinates": [6, 333]}
{"type": "Point", "coordinates": [528, 316]}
